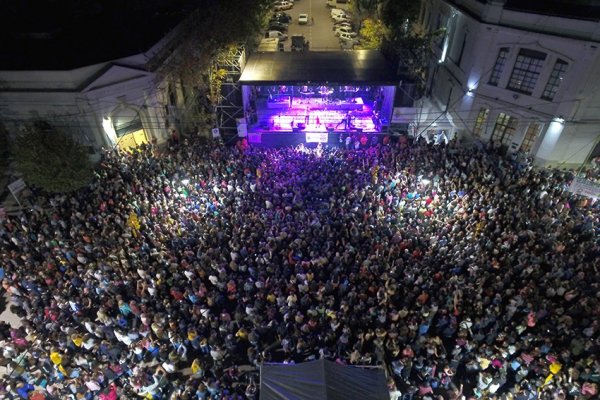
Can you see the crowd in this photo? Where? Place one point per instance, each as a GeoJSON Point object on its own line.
{"type": "Point", "coordinates": [172, 275]}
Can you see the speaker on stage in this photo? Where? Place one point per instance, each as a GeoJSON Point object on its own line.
{"type": "Point", "coordinates": [295, 129]}
{"type": "Point", "coordinates": [301, 125]}
{"type": "Point", "coordinates": [358, 130]}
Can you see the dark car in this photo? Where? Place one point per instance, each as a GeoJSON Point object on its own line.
{"type": "Point", "coordinates": [278, 26]}
{"type": "Point", "coordinates": [299, 43]}
{"type": "Point", "coordinates": [281, 17]}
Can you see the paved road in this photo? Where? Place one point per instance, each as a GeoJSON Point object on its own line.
{"type": "Point", "coordinates": [320, 33]}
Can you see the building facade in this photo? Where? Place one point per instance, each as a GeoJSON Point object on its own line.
{"type": "Point", "coordinates": [122, 101]}
{"type": "Point", "coordinates": [517, 78]}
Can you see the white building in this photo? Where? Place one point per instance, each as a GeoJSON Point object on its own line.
{"type": "Point", "coordinates": [112, 95]}
{"type": "Point", "coordinates": [520, 77]}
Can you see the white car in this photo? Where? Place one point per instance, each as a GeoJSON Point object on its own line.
{"type": "Point", "coordinates": [303, 19]}
{"type": "Point", "coordinates": [341, 18]}
{"type": "Point", "coordinates": [337, 12]}
{"type": "Point", "coordinates": [344, 29]}
{"type": "Point", "coordinates": [284, 5]}
{"type": "Point", "coordinates": [344, 37]}
{"type": "Point", "coordinates": [277, 35]}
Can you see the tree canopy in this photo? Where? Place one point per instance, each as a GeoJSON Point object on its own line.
{"type": "Point", "coordinates": [215, 25]}
{"type": "Point", "coordinates": [372, 33]}
{"type": "Point", "coordinates": [51, 160]}
{"type": "Point", "coordinates": [398, 15]}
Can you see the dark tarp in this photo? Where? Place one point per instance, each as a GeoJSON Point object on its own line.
{"type": "Point", "coordinates": [321, 380]}
{"type": "Point", "coordinates": [365, 67]}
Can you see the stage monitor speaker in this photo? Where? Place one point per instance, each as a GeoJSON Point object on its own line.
{"type": "Point", "coordinates": [295, 129]}
{"type": "Point", "coordinates": [330, 130]}
{"type": "Point", "coordinates": [301, 125]}
{"type": "Point", "coordinates": [358, 130]}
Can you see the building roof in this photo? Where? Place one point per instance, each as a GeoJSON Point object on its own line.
{"type": "Point", "coordinates": [576, 9]}
{"type": "Point", "coordinates": [293, 68]}
{"type": "Point", "coordinates": [66, 34]}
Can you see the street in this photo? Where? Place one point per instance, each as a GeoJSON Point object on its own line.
{"type": "Point", "coordinates": [320, 32]}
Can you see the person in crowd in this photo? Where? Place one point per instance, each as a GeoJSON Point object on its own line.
{"type": "Point", "coordinates": [463, 273]}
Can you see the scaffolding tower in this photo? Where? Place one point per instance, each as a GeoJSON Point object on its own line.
{"type": "Point", "coordinates": [229, 108]}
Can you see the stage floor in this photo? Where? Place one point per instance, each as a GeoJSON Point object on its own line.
{"type": "Point", "coordinates": [317, 115]}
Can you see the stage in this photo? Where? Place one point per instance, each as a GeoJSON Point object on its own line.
{"type": "Point", "coordinates": [315, 98]}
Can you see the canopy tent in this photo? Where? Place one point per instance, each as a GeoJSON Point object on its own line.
{"type": "Point", "coordinates": [321, 380]}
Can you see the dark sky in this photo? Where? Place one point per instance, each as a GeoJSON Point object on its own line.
{"type": "Point", "coordinates": [66, 34]}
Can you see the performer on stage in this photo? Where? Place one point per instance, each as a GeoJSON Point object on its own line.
{"type": "Point", "coordinates": [345, 121]}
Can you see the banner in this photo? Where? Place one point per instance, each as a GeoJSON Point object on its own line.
{"type": "Point", "coordinates": [316, 137]}
{"type": "Point", "coordinates": [584, 187]}
{"type": "Point", "coordinates": [242, 127]}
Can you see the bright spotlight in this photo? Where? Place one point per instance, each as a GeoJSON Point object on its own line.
{"type": "Point", "coordinates": [185, 181]}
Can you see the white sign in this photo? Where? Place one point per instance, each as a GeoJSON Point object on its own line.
{"type": "Point", "coordinates": [585, 188]}
{"type": "Point", "coordinates": [404, 115]}
{"type": "Point", "coordinates": [316, 137]}
{"type": "Point", "coordinates": [216, 134]}
{"type": "Point", "coordinates": [17, 186]}
{"type": "Point", "coordinates": [242, 130]}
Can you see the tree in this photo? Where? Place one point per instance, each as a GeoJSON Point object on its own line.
{"type": "Point", "coordinates": [212, 27]}
{"type": "Point", "coordinates": [398, 16]}
{"type": "Point", "coordinates": [365, 6]}
{"type": "Point", "coordinates": [51, 160]}
{"type": "Point", "coordinates": [406, 42]}
{"type": "Point", "coordinates": [372, 32]}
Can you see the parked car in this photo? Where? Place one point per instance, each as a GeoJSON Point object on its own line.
{"type": "Point", "coordinates": [344, 29]}
{"type": "Point", "coordinates": [303, 19]}
{"type": "Point", "coordinates": [339, 12]}
{"type": "Point", "coordinates": [278, 26]}
{"type": "Point", "coordinates": [284, 5]}
{"type": "Point", "coordinates": [341, 18]}
{"type": "Point", "coordinates": [342, 23]}
{"type": "Point", "coordinates": [276, 34]}
{"type": "Point", "coordinates": [344, 37]}
{"type": "Point", "coordinates": [299, 43]}
{"type": "Point", "coordinates": [282, 17]}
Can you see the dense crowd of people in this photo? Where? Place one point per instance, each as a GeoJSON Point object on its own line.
{"type": "Point", "coordinates": [173, 274]}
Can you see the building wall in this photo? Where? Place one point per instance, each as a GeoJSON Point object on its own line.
{"type": "Point", "coordinates": [79, 101]}
{"type": "Point", "coordinates": [465, 80]}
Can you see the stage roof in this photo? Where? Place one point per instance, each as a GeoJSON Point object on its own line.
{"type": "Point", "coordinates": [368, 67]}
